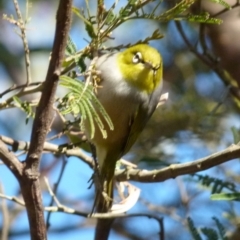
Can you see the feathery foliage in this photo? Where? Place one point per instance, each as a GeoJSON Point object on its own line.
{"type": "Point", "coordinates": [214, 184]}
{"type": "Point", "coordinates": [209, 233]}
{"type": "Point", "coordinates": [81, 101]}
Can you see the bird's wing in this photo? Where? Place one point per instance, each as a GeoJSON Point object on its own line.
{"type": "Point", "coordinates": [141, 117]}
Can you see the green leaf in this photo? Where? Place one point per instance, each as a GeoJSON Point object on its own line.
{"type": "Point", "coordinates": [89, 23]}
{"type": "Point", "coordinates": [90, 30]}
{"type": "Point", "coordinates": [226, 196]}
{"type": "Point", "coordinates": [223, 3]}
{"type": "Point", "coordinates": [221, 229]}
{"type": "Point", "coordinates": [110, 17]}
{"type": "Point", "coordinates": [210, 233]}
{"type": "Point", "coordinates": [155, 36]}
{"type": "Point", "coordinates": [203, 18]}
{"type": "Point", "coordinates": [25, 107]}
{"type": "Point", "coordinates": [80, 15]}
{"type": "Point", "coordinates": [216, 185]}
{"type": "Point", "coordinates": [17, 101]}
{"type": "Point", "coordinates": [176, 10]}
{"type": "Point", "coordinates": [89, 115]}
{"type": "Point", "coordinates": [132, 6]}
{"type": "Point", "coordinates": [81, 64]}
{"type": "Point", "coordinates": [71, 47]}
{"type": "Point", "coordinates": [74, 56]}
{"type": "Point", "coordinates": [81, 100]}
{"type": "Point", "coordinates": [195, 234]}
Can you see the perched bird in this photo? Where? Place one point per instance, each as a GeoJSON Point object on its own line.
{"type": "Point", "coordinates": [129, 90]}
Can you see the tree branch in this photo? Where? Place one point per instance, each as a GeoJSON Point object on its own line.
{"type": "Point", "coordinates": [44, 113]}
{"type": "Point", "coordinates": [10, 160]}
{"type": "Point", "coordinates": [29, 181]}
{"type": "Point", "coordinates": [142, 175]}
{"type": "Point", "coordinates": [175, 170]}
{"type": "Point", "coordinates": [50, 147]}
{"type": "Point", "coordinates": [22, 27]}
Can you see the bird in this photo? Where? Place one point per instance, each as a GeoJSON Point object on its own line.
{"type": "Point", "coordinates": [129, 90]}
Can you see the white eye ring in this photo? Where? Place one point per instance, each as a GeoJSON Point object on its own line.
{"type": "Point", "coordinates": [137, 58]}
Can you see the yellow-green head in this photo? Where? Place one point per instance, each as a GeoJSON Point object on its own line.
{"type": "Point", "coordinates": [141, 66]}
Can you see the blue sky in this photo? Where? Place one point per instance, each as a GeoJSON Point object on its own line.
{"type": "Point", "coordinates": [73, 188]}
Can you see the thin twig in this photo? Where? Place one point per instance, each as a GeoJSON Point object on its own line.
{"type": "Point", "coordinates": [237, 4]}
{"type": "Point", "coordinates": [68, 210]}
{"type": "Point", "coordinates": [16, 87]}
{"type": "Point", "coordinates": [13, 199]}
{"type": "Point", "coordinates": [189, 45]}
{"type": "Point", "coordinates": [22, 27]}
{"type": "Point", "coordinates": [158, 209]}
{"type": "Point", "coordinates": [210, 62]}
{"type": "Point", "coordinates": [23, 92]}
{"type": "Point", "coordinates": [5, 217]}
{"type": "Point", "coordinates": [54, 192]}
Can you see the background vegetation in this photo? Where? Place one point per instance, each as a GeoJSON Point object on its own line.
{"type": "Point", "coordinates": [197, 129]}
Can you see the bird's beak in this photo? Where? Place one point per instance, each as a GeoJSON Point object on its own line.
{"type": "Point", "coordinates": [150, 66]}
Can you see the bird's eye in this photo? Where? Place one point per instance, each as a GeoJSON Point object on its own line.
{"type": "Point", "coordinates": [137, 58]}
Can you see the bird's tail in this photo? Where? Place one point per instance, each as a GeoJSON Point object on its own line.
{"type": "Point", "coordinates": [104, 199]}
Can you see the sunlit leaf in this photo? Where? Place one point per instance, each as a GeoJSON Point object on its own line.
{"type": "Point", "coordinates": [82, 101]}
